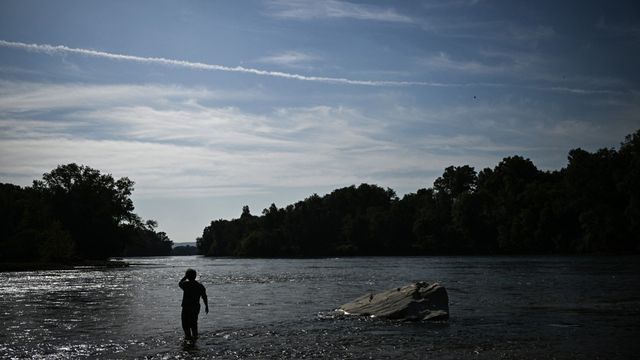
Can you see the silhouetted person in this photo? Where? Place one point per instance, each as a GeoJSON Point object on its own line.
{"type": "Point", "coordinates": [192, 292]}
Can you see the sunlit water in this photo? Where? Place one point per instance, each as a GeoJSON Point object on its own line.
{"type": "Point", "coordinates": [504, 307]}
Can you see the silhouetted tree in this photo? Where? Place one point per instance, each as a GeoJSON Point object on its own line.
{"type": "Point", "coordinates": [456, 181]}
{"type": "Point", "coordinates": [591, 206]}
{"type": "Point", "coordinates": [91, 206]}
{"type": "Point", "coordinates": [74, 212]}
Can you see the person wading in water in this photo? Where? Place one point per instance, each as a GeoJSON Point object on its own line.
{"type": "Point", "coordinates": [192, 291]}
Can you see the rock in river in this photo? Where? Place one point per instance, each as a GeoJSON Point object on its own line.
{"type": "Point", "coordinates": [414, 302]}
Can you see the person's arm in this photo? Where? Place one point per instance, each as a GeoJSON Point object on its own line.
{"type": "Point", "coordinates": [204, 298]}
{"type": "Point", "coordinates": [182, 281]}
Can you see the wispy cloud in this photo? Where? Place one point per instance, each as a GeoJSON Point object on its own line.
{"type": "Point", "coordinates": [540, 32]}
{"type": "Point", "coordinates": [61, 49]}
{"type": "Point", "coordinates": [446, 4]}
{"type": "Point", "coordinates": [305, 10]}
{"type": "Point", "coordinates": [291, 58]}
{"type": "Point", "coordinates": [625, 31]}
{"type": "Point", "coordinates": [521, 70]}
{"type": "Point", "coordinates": [501, 31]}
{"type": "Point", "coordinates": [444, 61]}
{"type": "Point", "coordinates": [18, 97]}
{"type": "Point", "coordinates": [172, 144]}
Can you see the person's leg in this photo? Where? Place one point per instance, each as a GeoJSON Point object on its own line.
{"type": "Point", "coordinates": [194, 325]}
{"type": "Point", "coordinates": [194, 328]}
{"type": "Point", "coordinates": [186, 324]}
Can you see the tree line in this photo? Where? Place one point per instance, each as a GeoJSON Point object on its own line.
{"type": "Point", "coordinates": [74, 213]}
{"type": "Point", "coordinates": [590, 206]}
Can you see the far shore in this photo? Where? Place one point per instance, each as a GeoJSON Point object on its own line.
{"type": "Point", "coordinates": [36, 266]}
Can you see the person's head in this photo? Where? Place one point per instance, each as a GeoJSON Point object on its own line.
{"type": "Point", "coordinates": [191, 274]}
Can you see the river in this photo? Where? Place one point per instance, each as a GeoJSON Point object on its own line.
{"type": "Point", "coordinates": [501, 307]}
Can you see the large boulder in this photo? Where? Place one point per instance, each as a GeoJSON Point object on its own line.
{"type": "Point", "coordinates": [414, 302]}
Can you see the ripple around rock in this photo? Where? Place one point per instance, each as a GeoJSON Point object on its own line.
{"type": "Point", "coordinates": [413, 302]}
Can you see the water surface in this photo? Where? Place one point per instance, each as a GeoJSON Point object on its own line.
{"type": "Point", "coordinates": [501, 307]}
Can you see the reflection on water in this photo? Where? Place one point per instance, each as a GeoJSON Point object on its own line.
{"type": "Point", "coordinates": [510, 307]}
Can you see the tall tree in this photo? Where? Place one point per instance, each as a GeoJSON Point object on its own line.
{"type": "Point", "coordinates": [91, 206]}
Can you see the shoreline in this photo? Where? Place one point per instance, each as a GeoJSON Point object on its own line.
{"type": "Point", "coordinates": [42, 266]}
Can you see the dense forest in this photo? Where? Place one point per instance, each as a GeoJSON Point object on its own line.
{"type": "Point", "coordinates": [74, 213]}
{"type": "Point", "coordinates": [590, 206]}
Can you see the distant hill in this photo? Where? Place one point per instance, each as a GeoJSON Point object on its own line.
{"type": "Point", "coordinates": [184, 249]}
{"type": "Point", "coordinates": [184, 244]}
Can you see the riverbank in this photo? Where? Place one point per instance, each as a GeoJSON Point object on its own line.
{"type": "Point", "coordinates": [37, 266]}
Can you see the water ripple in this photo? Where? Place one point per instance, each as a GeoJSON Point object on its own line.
{"type": "Point", "coordinates": [283, 309]}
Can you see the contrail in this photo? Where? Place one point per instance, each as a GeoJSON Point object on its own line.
{"type": "Point", "coordinates": [61, 49]}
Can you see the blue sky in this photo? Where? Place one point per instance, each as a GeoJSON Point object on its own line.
{"type": "Point", "coordinates": [212, 105]}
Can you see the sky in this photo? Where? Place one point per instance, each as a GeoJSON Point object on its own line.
{"type": "Point", "coordinates": [212, 105]}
